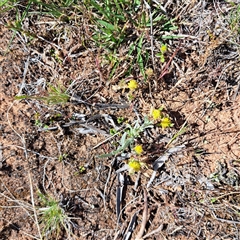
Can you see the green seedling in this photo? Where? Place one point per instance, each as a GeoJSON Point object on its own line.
{"type": "Point", "coordinates": [56, 56]}
{"type": "Point", "coordinates": [120, 120]}
{"type": "Point", "coordinates": [62, 157]}
{"type": "Point", "coordinates": [56, 95]}
{"type": "Point", "coordinates": [82, 169]}
{"type": "Point", "coordinates": [112, 131]}
{"type": "Point", "coordinates": [215, 177]}
{"type": "Point", "coordinates": [162, 52]}
{"type": "Point", "coordinates": [38, 123]}
{"type": "Point", "coordinates": [213, 200]}
{"type": "Point", "coordinates": [182, 130]}
{"type": "Point", "coordinates": [129, 136]}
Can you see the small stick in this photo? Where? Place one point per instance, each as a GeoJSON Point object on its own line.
{"type": "Point", "coordinates": [144, 220]}
{"type": "Point", "coordinates": [165, 69]}
{"type": "Point", "coordinates": [159, 229]}
{"type": "Point", "coordinates": [1, 156]}
{"type": "Point", "coordinates": [33, 205]}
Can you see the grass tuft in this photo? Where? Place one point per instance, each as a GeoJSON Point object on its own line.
{"type": "Point", "coordinates": [55, 95]}
{"type": "Point", "coordinates": [53, 218]}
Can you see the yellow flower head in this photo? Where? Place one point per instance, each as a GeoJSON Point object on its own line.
{"type": "Point", "coordinates": [134, 166]}
{"type": "Point", "coordinates": [163, 48]}
{"type": "Point", "coordinates": [166, 122]}
{"type": "Point", "coordinates": [138, 149]}
{"type": "Point", "coordinates": [132, 85]}
{"type": "Point", "coordinates": [156, 114]}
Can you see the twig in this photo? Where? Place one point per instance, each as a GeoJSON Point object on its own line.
{"type": "Point", "coordinates": [33, 205]}
{"type": "Point", "coordinates": [34, 152]}
{"type": "Point", "coordinates": [122, 210]}
{"type": "Point", "coordinates": [131, 226]}
{"type": "Point", "coordinates": [1, 155]}
{"type": "Point", "coordinates": [24, 77]}
{"type": "Point", "coordinates": [144, 220]}
{"type": "Point", "coordinates": [224, 220]}
{"type": "Point", "coordinates": [154, 232]}
{"type": "Point", "coordinates": [106, 140]}
{"type": "Point", "coordinates": [106, 184]}
{"type": "Point", "coordinates": [165, 69]}
{"type": "Point", "coordinates": [137, 181]}
{"type": "Point", "coordinates": [238, 88]}
{"type": "Point", "coordinates": [119, 195]}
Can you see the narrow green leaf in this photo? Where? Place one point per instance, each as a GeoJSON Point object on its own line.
{"type": "Point", "coordinates": [107, 25]}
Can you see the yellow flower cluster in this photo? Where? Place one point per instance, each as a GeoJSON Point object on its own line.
{"type": "Point", "coordinates": [134, 165]}
{"type": "Point", "coordinates": [138, 149]}
{"type": "Point", "coordinates": [132, 85]}
{"type": "Point", "coordinates": [157, 115]}
{"type": "Point", "coordinates": [163, 48]}
{"type": "Point", "coordinates": [166, 122]}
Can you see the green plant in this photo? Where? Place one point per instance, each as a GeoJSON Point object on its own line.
{"type": "Point", "coordinates": [5, 6]}
{"type": "Point", "coordinates": [53, 218]}
{"type": "Point", "coordinates": [182, 130]}
{"type": "Point", "coordinates": [23, 10]}
{"type": "Point", "coordinates": [55, 95]}
{"type": "Point", "coordinates": [126, 24]}
{"type": "Point", "coordinates": [62, 157]}
{"type": "Point", "coordinates": [213, 200]}
{"type": "Point", "coordinates": [108, 18]}
{"type": "Point", "coordinates": [56, 56]}
{"type": "Point", "coordinates": [120, 120]}
{"type": "Point", "coordinates": [81, 170]}
{"type": "Point", "coordinates": [234, 19]}
{"type": "Point", "coordinates": [129, 136]}
{"type": "Point", "coordinates": [162, 52]}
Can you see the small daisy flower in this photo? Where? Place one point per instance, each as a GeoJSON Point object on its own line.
{"type": "Point", "coordinates": [163, 48]}
{"type": "Point", "coordinates": [166, 122]}
{"type": "Point", "coordinates": [138, 149]}
{"type": "Point", "coordinates": [156, 114]}
{"type": "Point", "coordinates": [132, 85]}
{"type": "Point", "coordinates": [134, 166]}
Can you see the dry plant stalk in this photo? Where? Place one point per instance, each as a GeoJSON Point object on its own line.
{"type": "Point", "coordinates": [144, 220]}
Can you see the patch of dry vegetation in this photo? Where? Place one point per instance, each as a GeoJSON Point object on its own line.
{"type": "Point", "coordinates": [119, 119]}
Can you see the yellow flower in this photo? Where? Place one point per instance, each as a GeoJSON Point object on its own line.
{"type": "Point", "coordinates": [134, 166]}
{"type": "Point", "coordinates": [166, 122]}
{"type": "Point", "coordinates": [132, 85]}
{"type": "Point", "coordinates": [163, 48]}
{"type": "Point", "coordinates": [138, 149]}
{"type": "Point", "coordinates": [156, 114]}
